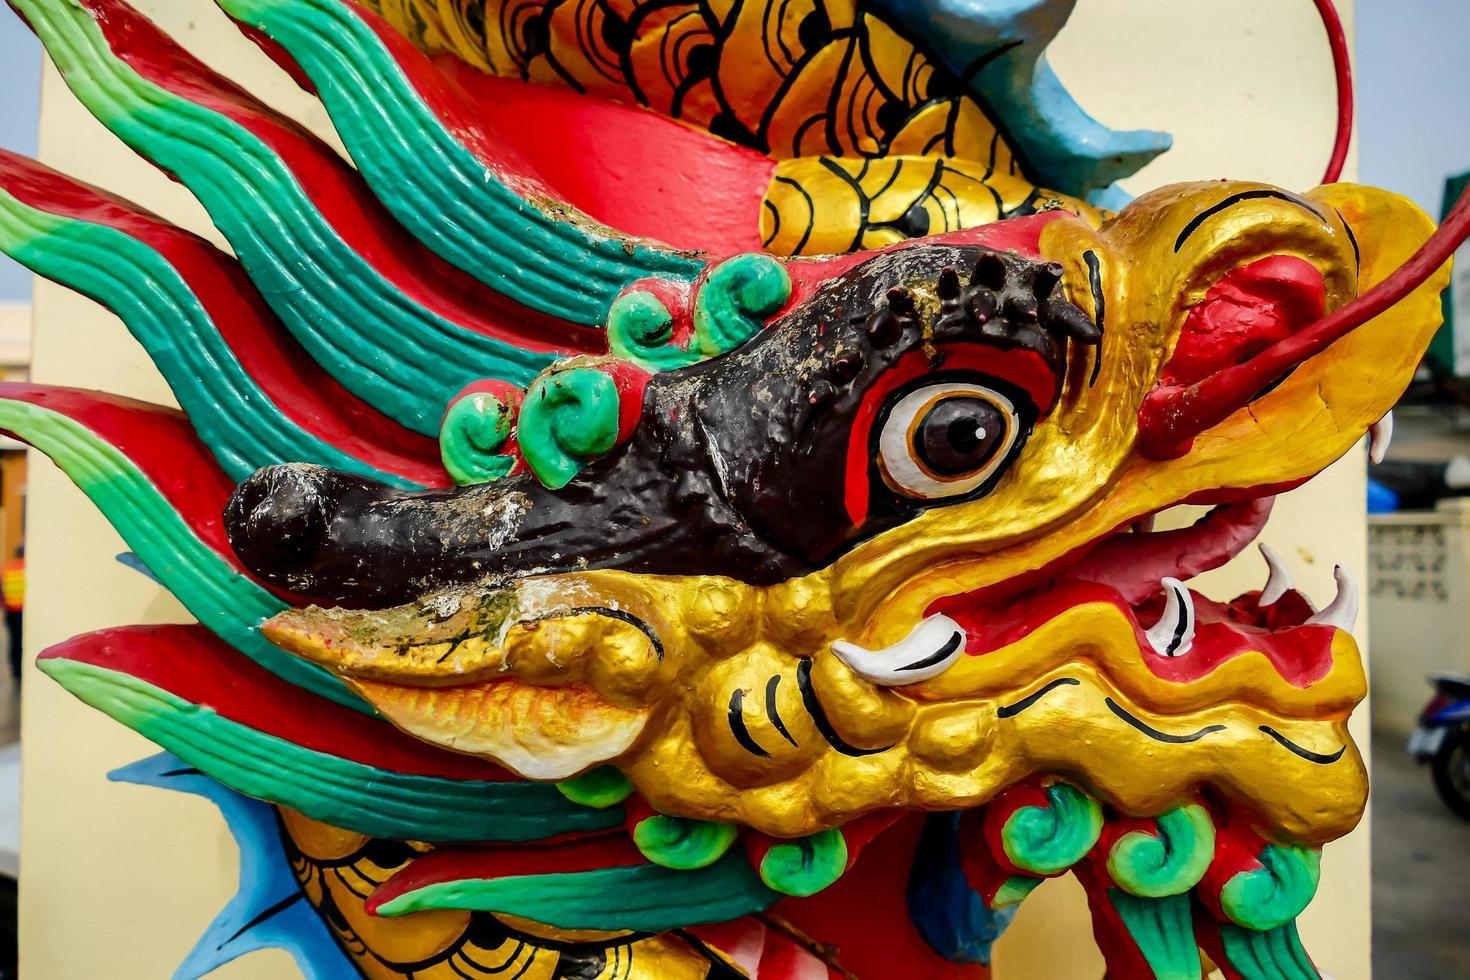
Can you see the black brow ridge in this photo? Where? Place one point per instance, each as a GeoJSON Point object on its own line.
{"type": "Point", "coordinates": [1235, 199]}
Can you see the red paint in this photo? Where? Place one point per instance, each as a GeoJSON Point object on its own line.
{"type": "Point", "coordinates": [308, 395]}
{"type": "Point", "coordinates": [1237, 849]}
{"type": "Point", "coordinates": [627, 166]}
{"type": "Point", "coordinates": [1247, 310]}
{"type": "Point", "coordinates": [630, 380]}
{"type": "Point", "coordinates": [1022, 368]}
{"type": "Point", "coordinates": [160, 442]}
{"type": "Point", "coordinates": [1302, 655]}
{"type": "Point", "coordinates": [338, 193]}
{"type": "Point", "coordinates": [1173, 415]}
{"type": "Point", "coordinates": [195, 665]}
{"type": "Point", "coordinates": [863, 919]}
{"type": "Point", "coordinates": [1342, 69]}
{"type": "Point", "coordinates": [978, 860]}
{"type": "Point", "coordinates": [1134, 564]}
{"type": "Point", "coordinates": [485, 863]}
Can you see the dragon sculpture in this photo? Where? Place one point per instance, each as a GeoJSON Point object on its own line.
{"type": "Point", "coordinates": [715, 541]}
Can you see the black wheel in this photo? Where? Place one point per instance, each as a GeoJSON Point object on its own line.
{"type": "Point", "coordinates": [1452, 772]}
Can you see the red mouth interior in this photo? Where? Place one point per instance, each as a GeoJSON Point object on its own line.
{"type": "Point", "coordinates": [1125, 569]}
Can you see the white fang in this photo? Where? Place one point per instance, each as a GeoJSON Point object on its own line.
{"type": "Point", "coordinates": [1380, 434]}
{"type": "Point", "coordinates": [1278, 582]}
{"type": "Point", "coordinates": [1173, 634]}
{"type": "Point", "coordinates": [928, 651]}
{"type": "Point", "coordinates": [1342, 611]}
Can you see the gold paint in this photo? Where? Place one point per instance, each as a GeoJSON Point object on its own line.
{"type": "Point", "coordinates": [398, 948]}
{"type": "Point", "coordinates": [826, 205]}
{"type": "Point", "coordinates": [1077, 480]}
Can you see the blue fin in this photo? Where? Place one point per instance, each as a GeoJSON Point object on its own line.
{"type": "Point", "coordinates": [269, 911]}
{"type": "Point", "coordinates": [998, 49]}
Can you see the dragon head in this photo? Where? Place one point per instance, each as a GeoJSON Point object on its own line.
{"type": "Point", "coordinates": [562, 504]}
{"type": "Point", "coordinates": [892, 551]}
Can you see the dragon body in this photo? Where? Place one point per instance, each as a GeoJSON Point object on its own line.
{"type": "Point", "coordinates": [716, 541]}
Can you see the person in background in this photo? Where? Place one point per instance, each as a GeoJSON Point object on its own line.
{"type": "Point", "coordinates": [13, 589]}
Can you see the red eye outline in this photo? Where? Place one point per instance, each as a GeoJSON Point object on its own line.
{"type": "Point", "coordinates": [1022, 369]}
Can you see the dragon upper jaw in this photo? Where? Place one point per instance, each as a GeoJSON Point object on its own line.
{"type": "Point", "coordinates": [1125, 598]}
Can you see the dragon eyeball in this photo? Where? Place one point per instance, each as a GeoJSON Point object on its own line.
{"type": "Point", "coordinates": [946, 440]}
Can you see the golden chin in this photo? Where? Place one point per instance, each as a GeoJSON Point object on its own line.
{"type": "Point", "coordinates": [829, 746]}
{"type": "Point", "coordinates": [961, 754]}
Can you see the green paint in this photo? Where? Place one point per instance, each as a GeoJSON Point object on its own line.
{"type": "Point", "coordinates": [340, 792]}
{"type": "Point", "coordinates": [1014, 891]}
{"type": "Point", "coordinates": [643, 898]}
{"type": "Point", "coordinates": [1168, 862]}
{"type": "Point", "coordinates": [735, 298]}
{"type": "Point", "coordinates": [640, 329]}
{"type": "Point", "coordinates": [683, 845]}
{"type": "Point", "coordinates": [1276, 954]}
{"type": "Point", "coordinates": [1163, 931]}
{"type": "Point", "coordinates": [568, 418]}
{"type": "Point", "coordinates": [233, 417]}
{"type": "Point", "coordinates": [1275, 893]}
{"type": "Point", "coordinates": [473, 429]}
{"type": "Point", "coordinates": [1047, 840]}
{"type": "Point", "coordinates": [553, 262]}
{"type": "Point", "coordinates": [602, 787]}
{"type": "Point", "coordinates": [228, 603]}
{"type": "Point", "coordinates": [806, 866]}
{"type": "Point", "coordinates": [385, 347]}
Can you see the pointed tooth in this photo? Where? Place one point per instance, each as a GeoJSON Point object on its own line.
{"type": "Point", "coordinates": [1278, 579]}
{"type": "Point", "coordinates": [1144, 524]}
{"type": "Point", "coordinates": [1380, 434]}
{"type": "Point", "coordinates": [1173, 634]}
{"type": "Point", "coordinates": [928, 651]}
{"type": "Point", "coordinates": [1342, 611]}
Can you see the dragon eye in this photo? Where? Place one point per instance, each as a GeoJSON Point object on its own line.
{"type": "Point", "coordinates": [945, 440]}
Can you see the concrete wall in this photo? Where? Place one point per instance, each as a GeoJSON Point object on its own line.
{"type": "Point", "coordinates": [1246, 87]}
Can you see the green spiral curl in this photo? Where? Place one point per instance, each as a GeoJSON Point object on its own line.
{"type": "Point", "coordinates": [568, 418]}
{"type": "Point", "coordinates": [640, 329]}
{"type": "Point", "coordinates": [1047, 840]}
{"type": "Point", "coordinates": [1168, 863]}
{"type": "Point", "coordinates": [1275, 893]}
{"type": "Point", "coordinates": [598, 788]}
{"type": "Point", "coordinates": [735, 299]}
{"type": "Point", "coordinates": [683, 845]}
{"type": "Point", "coordinates": [804, 867]}
{"type": "Point", "coordinates": [473, 429]}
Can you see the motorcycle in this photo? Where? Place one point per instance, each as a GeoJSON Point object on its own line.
{"type": "Point", "coordinates": [1442, 739]}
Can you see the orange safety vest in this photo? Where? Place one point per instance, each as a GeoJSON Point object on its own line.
{"type": "Point", "coordinates": [13, 584]}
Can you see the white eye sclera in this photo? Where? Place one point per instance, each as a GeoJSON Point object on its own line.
{"type": "Point", "coordinates": [945, 440]}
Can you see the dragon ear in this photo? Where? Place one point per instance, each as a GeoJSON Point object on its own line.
{"type": "Point", "coordinates": [1290, 431]}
